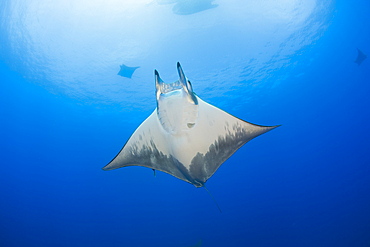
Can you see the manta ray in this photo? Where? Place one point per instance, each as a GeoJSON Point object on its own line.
{"type": "Point", "coordinates": [360, 57]}
{"type": "Point", "coordinates": [185, 136]}
{"type": "Point", "coordinates": [189, 7]}
{"type": "Point", "coordinates": [126, 71]}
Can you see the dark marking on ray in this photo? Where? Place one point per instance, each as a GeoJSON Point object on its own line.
{"type": "Point", "coordinates": [126, 71]}
{"type": "Point", "coordinates": [150, 156]}
{"type": "Point", "coordinates": [360, 57]}
{"type": "Point", "coordinates": [203, 166]}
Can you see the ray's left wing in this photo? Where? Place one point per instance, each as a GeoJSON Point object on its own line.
{"type": "Point", "coordinates": [149, 146]}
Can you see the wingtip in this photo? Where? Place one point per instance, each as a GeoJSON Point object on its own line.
{"type": "Point", "coordinates": [106, 167]}
{"type": "Point", "coordinates": [263, 129]}
{"type": "Point", "coordinates": [274, 127]}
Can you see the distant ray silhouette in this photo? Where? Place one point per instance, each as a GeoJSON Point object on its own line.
{"type": "Point", "coordinates": [126, 71]}
{"type": "Point", "coordinates": [188, 7]}
{"type": "Point", "coordinates": [360, 57]}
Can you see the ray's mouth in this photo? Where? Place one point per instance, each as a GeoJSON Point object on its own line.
{"type": "Point", "coordinates": [182, 84]}
{"type": "Point", "coordinates": [166, 88]}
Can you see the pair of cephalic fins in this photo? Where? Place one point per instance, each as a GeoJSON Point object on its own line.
{"type": "Point", "coordinates": [185, 136]}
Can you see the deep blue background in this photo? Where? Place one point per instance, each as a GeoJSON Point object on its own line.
{"type": "Point", "coordinates": [306, 183]}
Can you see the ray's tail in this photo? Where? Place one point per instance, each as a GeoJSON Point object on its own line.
{"type": "Point", "coordinates": [210, 194]}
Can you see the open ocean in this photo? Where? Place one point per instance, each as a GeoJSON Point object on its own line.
{"type": "Point", "coordinates": [77, 79]}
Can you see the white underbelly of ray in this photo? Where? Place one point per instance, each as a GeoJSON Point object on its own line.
{"type": "Point", "coordinates": [176, 114]}
{"type": "Point", "coordinates": [186, 142]}
{"type": "Point", "coordinates": [179, 120]}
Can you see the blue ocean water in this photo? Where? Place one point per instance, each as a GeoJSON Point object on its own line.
{"type": "Point", "coordinates": [65, 113]}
